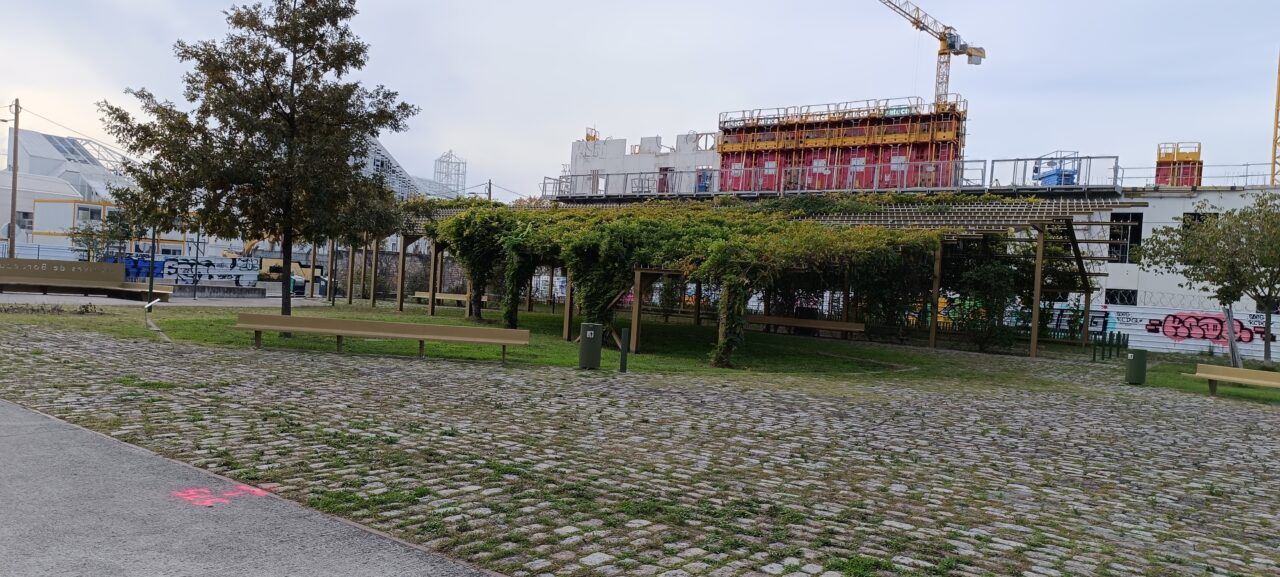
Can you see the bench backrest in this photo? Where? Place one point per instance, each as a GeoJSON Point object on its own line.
{"type": "Point", "coordinates": [1227, 373]}
{"type": "Point", "coordinates": [806, 323]}
{"type": "Point", "coordinates": [408, 330]}
{"type": "Point", "coordinates": [60, 272]}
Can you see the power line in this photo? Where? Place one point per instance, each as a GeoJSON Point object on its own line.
{"type": "Point", "coordinates": [511, 191]}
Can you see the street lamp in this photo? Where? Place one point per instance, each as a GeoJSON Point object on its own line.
{"type": "Point", "coordinates": [13, 193]}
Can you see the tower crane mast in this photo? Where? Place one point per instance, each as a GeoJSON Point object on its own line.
{"type": "Point", "coordinates": [949, 43]}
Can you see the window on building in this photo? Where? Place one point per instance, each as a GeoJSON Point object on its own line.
{"type": "Point", "coordinates": [1191, 218]}
{"type": "Point", "coordinates": [167, 251]}
{"type": "Point", "coordinates": [1126, 237]}
{"type": "Point", "coordinates": [1122, 297]}
{"type": "Point", "coordinates": [87, 214]}
{"type": "Point", "coordinates": [26, 220]}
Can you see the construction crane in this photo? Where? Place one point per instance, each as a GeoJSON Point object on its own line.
{"type": "Point", "coordinates": [949, 43]}
{"type": "Point", "coordinates": [1275, 136]}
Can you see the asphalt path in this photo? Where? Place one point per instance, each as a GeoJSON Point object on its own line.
{"type": "Point", "coordinates": [78, 503]}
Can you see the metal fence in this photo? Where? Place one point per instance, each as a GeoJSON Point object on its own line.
{"type": "Point", "coordinates": [1061, 171]}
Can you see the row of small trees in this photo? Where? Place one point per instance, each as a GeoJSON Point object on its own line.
{"type": "Point", "coordinates": [741, 250]}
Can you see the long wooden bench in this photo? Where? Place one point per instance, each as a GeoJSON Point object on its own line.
{"type": "Point", "coordinates": [448, 297]}
{"type": "Point", "coordinates": [1218, 373]}
{"type": "Point", "coordinates": [380, 330]}
{"type": "Point", "coordinates": [821, 325]}
{"type": "Point", "coordinates": [130, 290]}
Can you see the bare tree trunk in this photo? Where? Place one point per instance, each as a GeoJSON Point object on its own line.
{"type": "Point", "coordinates": [1234, 348]}
{"type": "Point", "coordinates": [1266, 337]}
{"type": "Point", "coordinates": [477, 301]}
{"type": "Point", "coordinates": [286, 257]}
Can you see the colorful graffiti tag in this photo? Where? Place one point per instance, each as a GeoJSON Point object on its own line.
{"type": "Point", "coordinates": [1203, 326]}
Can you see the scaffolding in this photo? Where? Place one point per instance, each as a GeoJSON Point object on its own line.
{"type": "Point", "coordinates": [451, 173]}
{"type": "Point", "coordinates": [836, 146]}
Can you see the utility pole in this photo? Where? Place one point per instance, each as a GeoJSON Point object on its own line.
{"type": "Point", "coordinates": [488, 189]}
{"type": "Point", "coordinates": [13, 193]}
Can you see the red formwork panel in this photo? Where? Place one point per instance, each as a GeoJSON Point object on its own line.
{"type": "Point", "coordinates": [735, 175]}
{"type": "Point", "coordinates": [1183, 173]}
{"type": "Point", "coordinates": [819, 168]}
{"type": "Point", "coordinates": [767, 171]}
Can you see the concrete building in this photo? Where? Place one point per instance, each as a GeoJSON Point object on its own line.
{"type": "Point", "coordinates": [611, 167]}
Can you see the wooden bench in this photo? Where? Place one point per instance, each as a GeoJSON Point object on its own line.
{"type": "Point", "coordinates": [1216, 373]}
{"type": "Point", "coordinates": [448, 297]}
{"type": "Point", "coordinates": [130, 290]}
{"type": "Point", "coordinates": [380, 330]}
{"type": "Point", "coordinates": [821, 325]}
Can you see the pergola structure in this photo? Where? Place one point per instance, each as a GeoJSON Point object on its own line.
{"type": "Point", "coordinates": [1040, 221]}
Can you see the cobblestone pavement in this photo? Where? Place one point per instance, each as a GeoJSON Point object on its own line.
{"type": "Point", "coordinates": [534, 471]}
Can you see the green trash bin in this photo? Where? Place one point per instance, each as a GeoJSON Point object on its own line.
{"type": "Point", "coordinates": [1135, 369]}
{"type": "Point", "coordinates": [592, 337]}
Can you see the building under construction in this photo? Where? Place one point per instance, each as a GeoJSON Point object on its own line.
{"type": "Point", "coordinates": [871, 144]}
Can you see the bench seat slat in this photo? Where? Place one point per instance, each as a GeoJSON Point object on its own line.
{"type": "Point", "coordinates": [377, 335]}
{"type": "Point", "coordinates": [382, 329]}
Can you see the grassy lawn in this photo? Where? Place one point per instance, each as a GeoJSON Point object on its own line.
{"type": "Point", "coordinates": [677, 347]}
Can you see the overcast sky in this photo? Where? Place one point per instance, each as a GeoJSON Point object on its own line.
{"type": "Point", "coordinates": [508, 85]}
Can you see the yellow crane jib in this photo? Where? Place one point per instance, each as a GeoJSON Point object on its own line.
{"type": "Point", "coordinates": [949, 43]}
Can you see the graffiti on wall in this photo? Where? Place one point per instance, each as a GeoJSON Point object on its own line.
{"type": "Point", "coordinates": [1183, 331]}
{"type": "Point", "coordinates": [243, 271]}
{"type": "Point", "coordinates": [1204, 326]}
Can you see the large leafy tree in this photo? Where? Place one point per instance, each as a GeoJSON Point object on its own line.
{"type": "Point", "coordinates": [1228, 253]}
{"type": "Point", "coordinates": [274, 140]}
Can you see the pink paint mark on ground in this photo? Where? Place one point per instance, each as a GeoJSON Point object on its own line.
{"type": "Point", "coordinates": [205, 497]}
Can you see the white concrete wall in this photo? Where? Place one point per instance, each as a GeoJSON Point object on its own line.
{"type": "Point", "coordinates": [1155, 289]}
{"type": "Point", "coordinates": [613, 156]}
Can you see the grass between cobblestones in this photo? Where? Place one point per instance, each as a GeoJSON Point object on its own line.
{"type": "Point", "coordinates": [677, 347]}
{"type": "Point", "coordinates": [993, 465]}
{"type": "Point", "coordinates": [666, 348]}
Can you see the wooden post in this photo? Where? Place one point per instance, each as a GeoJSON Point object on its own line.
{"type": "Point", "coordinates": [1084, 328]}
{"type": "Point", "coordinates": [528, 296]}
{"type": "Point", "coordinates": [400, 273]}
{"type": "Point", "coordinates": [375, 247]}
{"type": "Point", "coordinates": [434, 281]}
{"type": "Point", "coordinates": [339, 343]}
{"type": "Point", "coordinates": [467, 302]}
{"type": "Point", "coordinates": [1035, 293]}
{"type": "Point", "coordinates": [568, 307]}
{"type": "Point", "coordinates": [844, 307]}
{"type": "Point", "coordinates": [333, 260]}
{"type": "Point", "coordinates": [933, 308]}
{"type": "Point", "coordinates": [351, 273]}
{"type": "Point", "coordinates": [364, 266]}
{"type": "Point", "coordinates": [635, 312]}
{"type": "Point", "coordinates": [697, 303]}
{"type": "Point", "coordinates": [551, 290]}
{"type": "Point", "coordinates": [257, 339]}
{"type": "Point", "coordinates": [311, 282]}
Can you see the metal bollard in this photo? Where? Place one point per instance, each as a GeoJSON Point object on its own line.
{"type": "Point", "coordinates": [626, 346]}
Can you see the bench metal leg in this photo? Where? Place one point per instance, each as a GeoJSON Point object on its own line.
{"type": "Point", "coordinates": [422, 349]}
{"type": "Point", "coordinates": [1213, 388]}
{"type": "Point", "coordinates": [257, 339]}
{"type": "Point", "coordinates": [339, 343]}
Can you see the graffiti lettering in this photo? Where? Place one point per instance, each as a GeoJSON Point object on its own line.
{"type": "Point", "coordinates": [243, 271]}
{"type": "Point", "coordinates": [1203, 326]}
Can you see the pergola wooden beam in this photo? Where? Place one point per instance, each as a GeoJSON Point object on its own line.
{"type": "Point", "coordinates": [933, 304]}
{"type": "Point", "coordinates": [405, 241]}
{"type": "Point", "coordinates": [1035, 293]}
